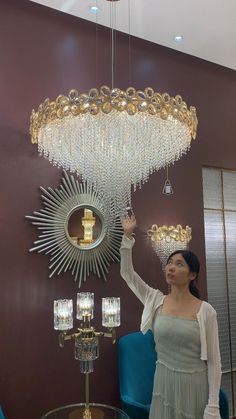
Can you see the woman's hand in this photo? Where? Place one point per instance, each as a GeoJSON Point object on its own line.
{"type": "Point", "coordinates": [129, 224]}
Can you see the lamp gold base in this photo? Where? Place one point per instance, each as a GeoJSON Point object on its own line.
{"type": "Point", "coordinates": [87, 414]}
{"type": "Point", "coordinates": [96, 412]}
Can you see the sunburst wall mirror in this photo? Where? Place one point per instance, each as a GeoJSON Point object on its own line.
{"type": "Point", "coordinates": [75, 232]}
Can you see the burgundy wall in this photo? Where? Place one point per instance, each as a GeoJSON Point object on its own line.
{"type": "Point", "coordinates": [44, 53]}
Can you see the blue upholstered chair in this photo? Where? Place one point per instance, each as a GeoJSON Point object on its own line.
{"type": "Point", "coordinates": [137, 363]}
{"type": "Point", "coordinates": [224, 405]}
{"type": "Point", "coordinates": [1, 414]}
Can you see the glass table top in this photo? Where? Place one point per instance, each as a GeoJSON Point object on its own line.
{"type": "Point", "coordinates": [76, 411]}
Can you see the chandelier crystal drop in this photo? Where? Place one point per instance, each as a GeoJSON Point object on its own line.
{"type": "Point", "coordinates": [114, 139]}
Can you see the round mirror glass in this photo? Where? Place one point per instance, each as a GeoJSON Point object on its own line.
{"type": "Point", "coordinates": [85, 227]}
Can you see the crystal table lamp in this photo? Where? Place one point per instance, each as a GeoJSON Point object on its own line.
{"type": "Point", "coordinates": [86, 339]}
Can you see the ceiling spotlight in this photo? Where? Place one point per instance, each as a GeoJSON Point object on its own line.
{"type": "Point", "coordinates": [178, 38]}
{"type": "Point", "coordinates": [94, 9]}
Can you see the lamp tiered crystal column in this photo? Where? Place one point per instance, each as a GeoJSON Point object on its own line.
{"type": "Point", "coordinates": [86, 339]}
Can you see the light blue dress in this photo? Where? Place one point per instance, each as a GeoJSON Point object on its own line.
{"type": "Point", "coordinates": [180, 384]}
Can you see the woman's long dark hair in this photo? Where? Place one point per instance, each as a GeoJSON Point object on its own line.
{"type": "Point", "coordinates": [194, 266]}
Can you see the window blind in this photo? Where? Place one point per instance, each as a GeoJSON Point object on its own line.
{"type": "Point", "coordinates": [219, 196]}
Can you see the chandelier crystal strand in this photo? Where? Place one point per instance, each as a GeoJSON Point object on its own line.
{"type": "Point", "coordinates": [167, 239]}
{"type": "Point", "coordinates": [164, 249]}
{"type": "Point", "coordinates": [114, 139]}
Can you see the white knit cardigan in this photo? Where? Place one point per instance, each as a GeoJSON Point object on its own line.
{"type": "Point", "coordinates": [207, 319]}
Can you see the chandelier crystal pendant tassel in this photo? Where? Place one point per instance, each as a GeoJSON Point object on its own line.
{"type": "Point", "coordinates": [113, 138]}
{"type": "Point", "coordinates": [167, 188]}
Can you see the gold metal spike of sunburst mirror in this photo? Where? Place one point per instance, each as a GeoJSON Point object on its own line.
{"type": "Point", "coordinates": [74, 231]}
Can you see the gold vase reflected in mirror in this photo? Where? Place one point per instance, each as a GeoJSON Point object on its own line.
{"type": "Point", "coordinates": [84, 227]}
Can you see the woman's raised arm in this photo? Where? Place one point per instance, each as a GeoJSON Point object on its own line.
{"type": "Point", "coordinates": [133, 280]}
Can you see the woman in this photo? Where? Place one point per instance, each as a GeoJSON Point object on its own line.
{"type": "Point", "coordinates": [188, 372]}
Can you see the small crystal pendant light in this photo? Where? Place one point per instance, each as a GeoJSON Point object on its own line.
{"type": "Point", "coordinates": [167, 189]}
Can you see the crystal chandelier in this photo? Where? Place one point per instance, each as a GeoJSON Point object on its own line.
{"type": "Point", "coordinates": [167, 239]}
{"type": "Point", "coordinates": [113, 138]}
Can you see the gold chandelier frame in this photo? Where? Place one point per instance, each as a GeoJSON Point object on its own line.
{"type": "Point", "coordinates": [170, 233]}
{"type": "Point", "coordinates": [108, 100]}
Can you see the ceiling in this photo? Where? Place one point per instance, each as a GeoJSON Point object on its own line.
{"type": "Point", "coordinates": [208, 27]}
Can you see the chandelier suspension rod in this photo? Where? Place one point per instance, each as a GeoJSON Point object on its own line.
{"type": "Point", "coordinates": [129, 14]}
{"type": "Point", "coordinates": [112, 23]}
{"type": "Point", "coordinates": [96, 47]}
